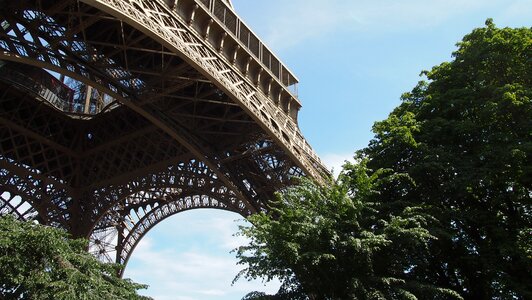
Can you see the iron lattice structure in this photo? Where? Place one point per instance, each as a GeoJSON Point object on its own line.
{"type": "Point", "coordinates": [115, 114]}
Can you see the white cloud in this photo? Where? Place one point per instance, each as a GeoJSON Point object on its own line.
{"type": "Point", "coordinates": [212, 292]}
{"type": "Point", "coordinates": [225, 229]}
{"type": "Point", "coordinates": [335, 161]}
{"type": "Point", "coordinates": [187, 257]}
{"type": "Point", "coordinates": [518, 10]}
{"type": "Point", "coordinates": [302, 20]}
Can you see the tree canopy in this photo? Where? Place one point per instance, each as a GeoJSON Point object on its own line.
{"type": "Point", "coordinates": [331, 243]}
{"type": "Point", "coordinates": [438, 206]}
{"type": "Point", "coordinates": [41, 263]}
{"type": "Point", "coordinates": [465, 139]}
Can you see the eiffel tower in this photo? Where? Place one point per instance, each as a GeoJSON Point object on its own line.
{"type": "Point", "coordinates": [116, 114]}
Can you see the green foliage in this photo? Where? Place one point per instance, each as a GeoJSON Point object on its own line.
{"type": "Point", "coordinates": [465, 139]}
{"type": "Point", "coordinates": [331, 243]}
{"type": "Point", "coordinates": [39, 262]}
{"type": "Point", "coordinates": [438, 206]}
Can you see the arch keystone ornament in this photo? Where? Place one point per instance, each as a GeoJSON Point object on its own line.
{"type": "Point", "coordinates": [116, 114]}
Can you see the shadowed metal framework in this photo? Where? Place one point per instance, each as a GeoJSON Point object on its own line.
{"type": "Point", "coordinates": [115, 114]}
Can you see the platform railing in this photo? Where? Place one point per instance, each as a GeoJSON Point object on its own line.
{"type": "Point", "coordinates": [225, 14]}
{"type": "Point", "coordinates": [45, 86]}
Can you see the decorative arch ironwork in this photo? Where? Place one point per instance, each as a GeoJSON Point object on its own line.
{"type": "Point", "coordinates": [115, 239]}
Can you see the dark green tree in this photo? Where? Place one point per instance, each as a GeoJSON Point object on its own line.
{"type": "Point", "coordinates": [41, 263]}
{"type": "Point", "coordinates": [438, 206]}
{"type": "Point", "coordinates": [465, 139]}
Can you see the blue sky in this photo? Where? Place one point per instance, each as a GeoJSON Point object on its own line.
{"type": "Point", "coordinates": [354, 59]}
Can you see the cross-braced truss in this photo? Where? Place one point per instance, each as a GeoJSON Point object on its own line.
{"type": "Point", "coordinates": [116, 114]}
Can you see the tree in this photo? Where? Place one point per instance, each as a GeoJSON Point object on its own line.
{"type": "Point", "coordinates": [465, 139]}
{"type": "Point", "coordinates": [437, 206]}
{"type": "Point", "coordinates": [40, 262]}
{"type": "Point", "coordinates": [332, 243]}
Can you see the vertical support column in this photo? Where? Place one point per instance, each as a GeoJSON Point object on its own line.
{"type": "Point", "coordinates": [257, 80]}
{"type": "Point", "coordinates": [208, 29]}
{"type": "Point", "coordinates": [222, 40]}
{"type": "Point", "coordinates": [235, 53]}
{"type": "Point", "coordinates": [193, 14]}
{"type": "Point", "coordinates": [88, 99]}
{"type": "Point", "coordinates": [120, 244]}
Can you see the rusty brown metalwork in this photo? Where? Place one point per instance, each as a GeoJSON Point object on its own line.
{"type": "Point", "coordinates": [116, 114]}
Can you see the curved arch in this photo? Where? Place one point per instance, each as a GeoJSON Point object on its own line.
{"type": "Point", "coordinates": [116, 240]}
{"type": "Point", "coordinates": [160, 213]}
{"type": "Point", "coordinates": [187, 177]}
